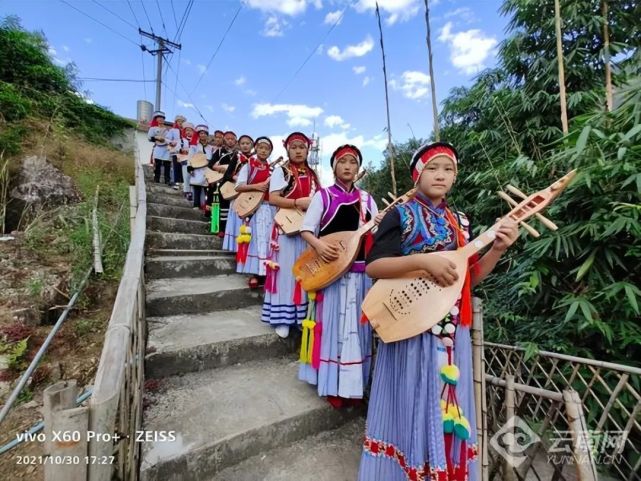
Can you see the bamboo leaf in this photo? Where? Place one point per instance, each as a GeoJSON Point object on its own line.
{"type": "Point", "coordinates": [632, 297]}
{"type": "Point", "coordinates": [621, 153]}
{"type": "Point", "coordinates": [583, 139]}
{"type": "Point", "coordinates": [571, 311]}
{"type": "Point", "coordinates": [585, 266]}
{"type": "Point", "coordinates": [585, 309]}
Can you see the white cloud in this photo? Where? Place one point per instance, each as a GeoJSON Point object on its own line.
{"type": "Point", "coordinates": [186, 61]}
{"type": "Point", "coordinates": [185, 105]}
{"type": "Point", "coordinates": [321, 49]}
{"type": "Point", "coordinates": [298, 115]}
{"type": "Point", "coordinates": [209, 107]}
{"type": "Point", "coordinates": [88, 40]}
{"type": "Point", "coordinates": [414, 85]}
{"type": "Point", "coordinates": [240, 80]}
{"type": "Point", "coordinates": [397, 10]}
{"type": "Point", "coordinates": [351, 51]}
{"type": "Point", "coordinates": [462, 13]}
{"type": "Point", "coordinates": [329, 143]}
{"type": "Point", "coordinates": [53, 53]}
{"type": "Point", "coordinates": [468, 49]}
{"type": "Point", "coordinates": [285, 7]}
{"type": "Point", "coordinates": [251, 92]}
{"type": "Point", "coordinates": [275, 26]}
{"type": "Point", "coordinates": [228, 108]}
{"type": "Point", "coordinates": [366, 81]}
{"type": "Point", "coordinates": [65, 48]}
{"type": "Point", "coordinates": [359, 69]}
{"type": "Point", "coordinates": [332, 121]}
{"type": "Point", "coordinates": [334, 18]}
{"type": "Point", "coordinates": [201, 68]}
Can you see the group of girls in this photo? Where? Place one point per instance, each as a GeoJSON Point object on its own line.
{"type": "Point", "coordinates": [421, 415]}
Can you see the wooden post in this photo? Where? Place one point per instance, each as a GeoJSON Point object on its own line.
{"type": "Point", "coordinates": [480, 400]}
{"type": "Point", "coordinates": [133, 207]}
{"type": "Point", "coordinates": [97, 249]}
{"type": "Point", "coordinates": [66, 433]}
{"type": "Point", "coordinates": [606, 57]}
{"type": "Point", "coordinates": [508, 471]}
{"type": "Point", "coordinates": [437, 131]}
{"type": "Point", "coordinates": [390, 147]}
{"type": "Point", "coordinates": [586, 470]}
{"type": "Point", "coordinates": [559, 54]}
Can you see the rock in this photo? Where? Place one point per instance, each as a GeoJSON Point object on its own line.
{"type": "Point", "coordinates": [30, 405]}
{"type": "Point", "coordinates": [28, 315]}
{"type": "Point", "coordinates": [5, 389]}
{"type": "Point", "coordinates": [38, 183]}
{"type": "Point", "coordinates": [4, 362]}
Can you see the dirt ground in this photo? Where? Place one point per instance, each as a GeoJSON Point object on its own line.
{"type": "Point", "coordinates": [30, 284]}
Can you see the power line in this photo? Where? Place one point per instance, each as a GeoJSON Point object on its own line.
{"type": "Point", "coordinates": [312, 53]}
{"type": "Point", "coordinates": [147, 15]}
{"type": "Point", "coordinates": [183, 20]}
{"type": "Point", "coordinates": [98, 21]}
{"type": "Point", "coordinates": [218, 48]}
{"type": "Point", "coordinates": [113, 79]}
{"type": "Point", "coordinates": [173, 11]}
{"type": "Point", "coordinates": [133, 13]}
{"type": "Point", "coordinates": [115, 14]}
{"type": "Point", "coordinates": [162, 20]}
{"type": "Point", "coordinates": [188, 97]}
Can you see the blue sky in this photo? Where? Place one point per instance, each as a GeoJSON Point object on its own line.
{"type": "Point", "coordinates": [251, 86]}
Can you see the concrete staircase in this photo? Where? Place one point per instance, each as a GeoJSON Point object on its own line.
{"type": "Point", "coordinates": [228, 386]}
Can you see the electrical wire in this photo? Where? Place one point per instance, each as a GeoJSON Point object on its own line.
{"type": "Point", "coordinates": [98, 21]}
{"type": "Point", "coordinates": [115, 15]}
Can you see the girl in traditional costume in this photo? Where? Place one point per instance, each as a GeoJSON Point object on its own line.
{"type": "Point", "coordinates": [220, 162]}
{"type": "Point", "coordinates": [197, 179]}
{"type": "Point", "coordinates": [336, 347]}
{"type": "Point", "coordinates": [188, 138]}
{"type": "Point", "coordinates": [232, 226]}
{"type": "Point", "coordinates": [175, 145]}
{"type": "Point", "coordinates": [291, 186]}
{"type": "Point", "coordinates": [254, 234]}
{"type": "Point", "coordinates": [421, 418]}
{"type": "Point", "coordinates": [157, 134]}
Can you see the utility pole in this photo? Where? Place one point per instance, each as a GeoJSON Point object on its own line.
{"type": "Point", "coordinates": [162, 49]}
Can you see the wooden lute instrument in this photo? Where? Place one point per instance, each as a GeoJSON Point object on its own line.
{"type": "Point", "coordinates": [248, 202]}
{"type": "Point", "coordinates": [410, 305]}
{"type": "Point", "coordinates": [314, 273]}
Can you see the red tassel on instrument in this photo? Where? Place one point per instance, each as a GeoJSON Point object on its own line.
{"type": "Point", "coordinates": [369, 242]}
{"type": "Point", "coordinates": [364, 319]}
{"type": "Point", "coordinates": [318, 332]}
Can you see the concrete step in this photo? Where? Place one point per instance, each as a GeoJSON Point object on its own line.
{"type": "Point", "coordinates": [188, 343]}
{"type": "Point", "coordinates": [163, 189]}
{"type": "Point", "coordinates": [188, 252]}
{"type": "Point", "coordinates": [174, 200]}
{"type": "Point", "coordinates": [194, 266]}
{"type": "Point", "coordinates": [167, 224]}
{"type": "Point", "coordinates": [227, 415]}
{"type": "Point", "coordinates": [186, 295]}
{"type": "Point", "coordinates": [329, 456]}
{"type": "Point", "coordinates": [175, 212]}
{"type": "Point", "coordinates": [175, 240]}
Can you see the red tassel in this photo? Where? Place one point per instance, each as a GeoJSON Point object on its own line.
{"type": "Point", "coordinates": [298, 293]}
{"type": "Point", "coordinates": [241, 254]}
{"type": "Point", "coordinates": [364, 319]}
{"type": "Point", "coordinates": [318, 333]}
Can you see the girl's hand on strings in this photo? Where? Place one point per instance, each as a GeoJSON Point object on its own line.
{"type": "Point", "coordinates": [506, 235]}
{"type": "Point", "coordinates": [327, 252]}
{"type": "Point", "coordinates": [442, 270]}
{"type": "Point", "coordinates": [261, 186]}
{"type": "Point", "coordinates": [379, 218]}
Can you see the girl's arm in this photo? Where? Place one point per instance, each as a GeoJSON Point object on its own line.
{"type": "Point", "coordinates": [505, 237]}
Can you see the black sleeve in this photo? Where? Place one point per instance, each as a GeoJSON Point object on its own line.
{"type": "Point", "coordinates": [153, 139]}
{"type": "Point", "coordinates": [231, 169]}
{"type": "Point", "coordinates": [387, 242]}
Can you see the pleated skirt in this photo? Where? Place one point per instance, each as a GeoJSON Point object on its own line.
{"type": "Point", "coordinates": [346, 343]}
{"type": "Point", "coordinates": [261, 228]}
{"type": "Point", "coordinates": [404, 437]}
{"type": "Point", "coordinates": [279, 308]}
{"type": "Point", "coordinates": [231, 229]}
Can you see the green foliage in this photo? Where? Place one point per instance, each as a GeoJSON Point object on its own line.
{"type": "Point", "coordinates": [32, 85]}
{"type": "Point", "coordinates": [17, 353]}
{"type": "Point", "coordinates": [576, 290]}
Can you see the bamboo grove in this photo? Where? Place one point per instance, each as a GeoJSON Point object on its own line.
{"type": "Point", "coordinates": [575, 290]}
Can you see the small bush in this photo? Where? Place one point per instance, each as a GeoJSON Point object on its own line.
{"type": "Point", "coordinates": [13, 105]}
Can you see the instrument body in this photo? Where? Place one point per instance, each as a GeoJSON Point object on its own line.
{"type": "Point", "coordinates": [410, 305]}
{"type": "Point", "coordinates": [212, 176]}
{"type": "Point", "coordinates": [248, 202]}
{"type": "Point", "coordinates": [289, 220]}
{"type": "Point", "coordinates": [314, 273]}
{"type": "Point", "coordinates": [228, 191]}
{"type": "Point", "coordinates": [160, 137]}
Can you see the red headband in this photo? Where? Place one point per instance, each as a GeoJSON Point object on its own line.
{"type": "Point", "coordinates": [229, 132]}
{"type": "Point", "coordinates": [430, 154]}
{"type": "Point", "coordinates": [295, 137]}
{"type": "Point", "coordinates": [347, 150]}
